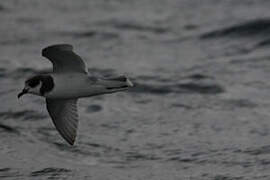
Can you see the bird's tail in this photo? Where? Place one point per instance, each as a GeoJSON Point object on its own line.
{"type": "Point", "coordinates": [117, 83]}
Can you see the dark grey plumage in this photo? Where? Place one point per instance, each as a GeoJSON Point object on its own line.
{"type": "Point", "coordinates": [46, 80]}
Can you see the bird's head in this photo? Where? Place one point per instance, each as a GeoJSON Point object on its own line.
{"type": "Point", "coordinates": [38, 85]}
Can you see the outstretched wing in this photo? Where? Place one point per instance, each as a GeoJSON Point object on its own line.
{"type": "Point", "coordinates": [65, 117]}
{"type": "Point", "coordinates": [64, 59]}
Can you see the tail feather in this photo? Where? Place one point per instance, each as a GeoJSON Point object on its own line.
{"type": "Point", "coordinates": [119, 78]}
{"type": "Point", "coordinates": [119, 82]}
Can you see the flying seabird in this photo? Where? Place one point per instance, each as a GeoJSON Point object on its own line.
{"type": "Point", "coordinates": [68, 82]}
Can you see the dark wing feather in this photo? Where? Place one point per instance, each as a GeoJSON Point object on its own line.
{"type": "Point", "coordinates": [65, 117]}
{"type": "Point", "coordinates": [64, 59]}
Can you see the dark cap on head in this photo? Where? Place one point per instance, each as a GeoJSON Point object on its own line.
{"type": "Point", "coordinates": [34, 81]}
{"type": "Point", "coordinates": [46, 81]}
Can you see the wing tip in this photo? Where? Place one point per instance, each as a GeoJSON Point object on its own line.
{"type": "Point", "coordinates": [70, 140]}
{"type": "Point", "coordinates": [61, 47]}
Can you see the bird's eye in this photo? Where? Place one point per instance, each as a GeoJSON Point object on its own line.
{"type": "Point", "coordinates": [33, 82]}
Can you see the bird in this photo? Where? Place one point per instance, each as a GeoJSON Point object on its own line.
{"type": "Point", "coordinates": [69, 81]}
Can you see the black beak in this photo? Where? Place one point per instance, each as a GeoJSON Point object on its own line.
{"type": "Point", "coordinates": [24, 91]}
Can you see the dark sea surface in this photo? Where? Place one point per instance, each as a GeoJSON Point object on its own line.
{"type": "Point", "coordinates": [200, 108]}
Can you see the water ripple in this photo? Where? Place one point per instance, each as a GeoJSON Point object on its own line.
{"type": "Point", "coordinates": [93, 108]}
{"type": "Point", "coordinates": [92, 33]}
{"type": "Point", "coordinates": [2, 8]}
{"type": "Point", "coordinates": [246, 29]}
{"type": "Point", "coordinates": [25, 115]}
{"type": "Point", "coordinates": [51, 172]}
{"type": "Point", "coordinates": [190, 87]}
{"type": "Point", "coordinates": [9, 129]}
{"type": "Point", "coordinates": [8, 173]}
{"type": "Point", "coordinates": [134, 26]}
{"type": "Point", "coordinates": [256, 151]}
{"type": "Point", "coordinates": [135, 156]}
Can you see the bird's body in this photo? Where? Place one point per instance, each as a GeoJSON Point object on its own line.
{"type": "Point", "coordinates": [78, 85]}
{"type": "Point", "coordinates": [71, 85]}
{"type": "Point", "coordinates": [68, 82]}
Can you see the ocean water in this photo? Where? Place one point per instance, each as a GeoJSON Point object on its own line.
{"type": "Point", "coordinates": [200, 108]}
